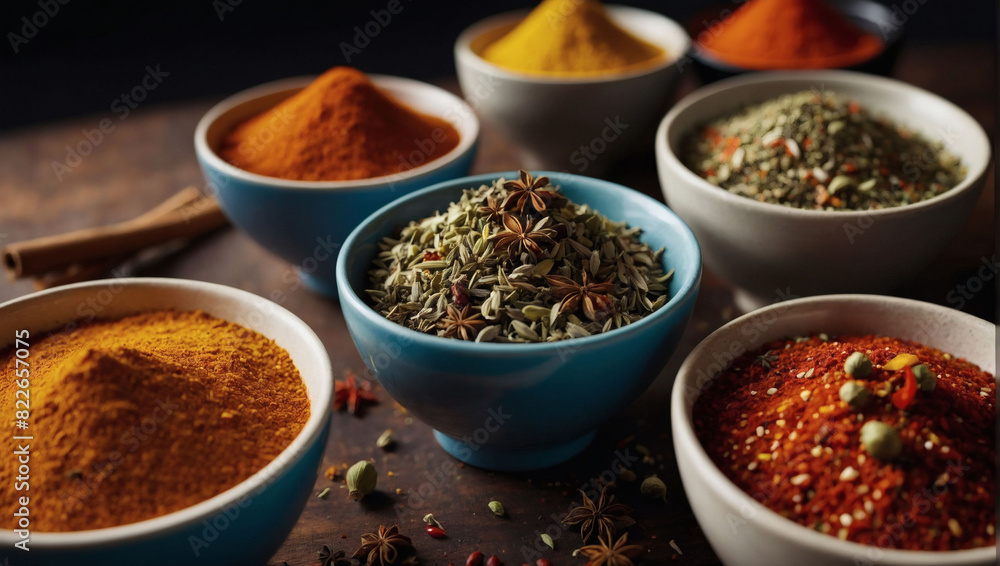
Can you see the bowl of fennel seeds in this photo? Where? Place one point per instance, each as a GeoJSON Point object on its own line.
{"type": "Point", "coordinates": [516, 261]}
{"type": "Point", "coordinates": [514, 312]}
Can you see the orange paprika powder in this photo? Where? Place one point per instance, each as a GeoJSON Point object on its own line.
{"type": "Point", "coordinates": [789, 34]}
{"type": "Point", "coordinates": [340, 127]}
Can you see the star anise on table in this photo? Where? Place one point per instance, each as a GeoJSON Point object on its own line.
{"type": "Point", "coordinates": [329, 558]}
{"type": "Point", "coordinates": [461, 323]}
{"type": "Point", "coordinates": [521, 237]}
{"type": "Point", "coordinates": [603, 517]}
{"type": "Point", "coordinates": [527, 189]}
{"type": "Point", "coordinates": [592, 296]}
{"type": "Point", "coordinates": [383, 547]}
{"type": "Point", "coordinates": [604, 553]}
{"type": "Point", "coordinates": [348, 393]}
{"type": "Point", "coordinates": [492, 211]}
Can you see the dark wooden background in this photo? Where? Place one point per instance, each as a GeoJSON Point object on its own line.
{"type": "Point", "coordinates": [150, 156]}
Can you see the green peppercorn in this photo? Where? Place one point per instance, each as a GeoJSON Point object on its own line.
{"type": "Point", "coordinates": [926, 380]}
{"type": "Point", "coordinates": [881, 440]}
{"type": "Point", "coordinates": [855, 394]}
{"type": "Point", "coordinates": [858, 365]}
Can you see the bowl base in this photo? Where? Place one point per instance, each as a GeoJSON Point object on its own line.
{"type": "Point", "coordinates": [317, 285]}
{"type": "Point", "coordinates": [513, 459]}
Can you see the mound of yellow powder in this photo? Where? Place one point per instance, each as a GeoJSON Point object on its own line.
{"type": "Point", "coordinates": [570, 37]}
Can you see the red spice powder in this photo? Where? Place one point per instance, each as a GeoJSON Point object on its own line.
{"type": "Point", "coordinates": [774, 423]}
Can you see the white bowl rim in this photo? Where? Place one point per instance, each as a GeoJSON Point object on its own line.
{"type": "Point", "coordinates": [974, 171]}
{"type": "Point", "coordinates": [689, 287]}
{"type": "Point", "coordinates": [208, 508]}
{"type": "Point", "coordinates": [465, 143]}
{"type": "Point", "coordinates": [780, 527]}
{"type": "Point", "coordinates": [463, 50]}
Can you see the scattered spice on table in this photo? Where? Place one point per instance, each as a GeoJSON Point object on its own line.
{"type": "Point", "coordinates": [328, 557]}
{"type": "Point", "coordinates": [859, 473]}
{"type": "Point", "coordinates": [534, 268]}
{"type": "Point", "coordinates": [603, 517]}
{"type": "Point", "coordinates": [340, 127]}
{"type": "Point", "coordinates": [148, 414]}
{"type": "Point", "coordinates": [608, 553]}
{"type": "Point", "coordinates": [789, 34]}
{"type": "Point", "coordinates": [577, 37]}
{"type": "Point", "coordinates": [351, 394]}
{"type": "Point", "coordinates": [362, 478]}
{"type": "Point", "coordinates": [823, 151]}
{"type": "Point", "coordinates": [384, 546]}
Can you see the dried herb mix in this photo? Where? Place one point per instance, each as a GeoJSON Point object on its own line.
{"type": "Point", "coordinates": [516, 261]}
{"type": "Point", "coordinates": [819, 150]}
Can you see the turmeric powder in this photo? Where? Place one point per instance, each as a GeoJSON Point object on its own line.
{"type": "Point", "coordinates": [138, 417]}
{"type": "Point", "coordinates": [571, 37]}
{"type": "Point", "coordinates": [340, 127]}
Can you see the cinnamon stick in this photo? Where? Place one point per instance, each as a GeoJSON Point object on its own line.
{"type": "Point", "coordinates": [94, 269]}
{"type": "Point", "coordinates": [34, 257]}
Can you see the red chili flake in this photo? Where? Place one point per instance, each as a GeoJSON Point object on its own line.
{"type": "Point", "coordinates": [542, 562]}
{"type": "Point", "coordinates": [474, 559]}
{"type": "Point", "coordinates": [460, 291]}
{"type": "Point", "coordinates": [904, 397]}
{"type": "Point", "coordinates": [435, 532]}
{"type": "Point", "coordinates": [431, 256]}
{"type": "Point", "coordinates": [853, 107]}
{"type": "Point", "coordinates": [493, 561]}
{"type": "Point", "coordinates": [784, 436]}
{"type": "Point", "coordinates": [732, 144]}
{"type": "Point", "coordinates": [850, 168]}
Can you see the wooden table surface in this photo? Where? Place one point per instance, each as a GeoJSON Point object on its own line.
{"type": "Point", "coordinates": [150, 156]}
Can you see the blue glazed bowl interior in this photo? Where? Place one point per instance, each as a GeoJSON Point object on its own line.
{"type": "Point", "coordinates": [513, 406]}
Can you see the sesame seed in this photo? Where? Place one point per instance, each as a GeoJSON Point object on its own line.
{"type": "Point", "coordinates": [862, 489]}
{"type": "Point", "coordinates": [780, 422]}
{"type": "Point", "coordinates": [750, 439]}
{"type": "Point", "coordinates": [990, 530]}
{"type": "Point", "coordinates": [869, 506]}
{"type": "Point", "coordinates": [805, 395]}
{"type": "Point", "coordinates": [954, 527]}
{"type": "Point", "coordinates": [752, 392]}
{"type": "Point", "coordinates": [797, 498]}
{"type": "Point", "coordinates": [842, 534]}
{"type": "Point", "coordinates": [793, 435]}
{"type": "Point", "coordinates": [861, 459]}
{"type": "Point", "coordinates": [816, 451]}
{"type": "Point", "coordinates": [772, 391]}
{"type": "Point", "coordinates": [945, 450]}
{"type": "Point", "coordinates": [800, 375]}
{"type": "Point", "coordinates": [859, 514]}
{"type": "Point", "coordinates": [775, 445]}
{"type": "Point", "coordinates": [849, 474]}
{"type": "Point", "coordinates": [877, 494]}
{"type": "Point", "coordinates": [799, 479]}
{"type": "Point", "coordinates": [810, 372]}
{"type": "Point", "coordinates": [846, 519]}
{"type": "Point", "coordinates": [760, 431]}
{"type": "Point", "coordinates": [752, 466]}
{"type": "Point", "coordinates": [928, 445]}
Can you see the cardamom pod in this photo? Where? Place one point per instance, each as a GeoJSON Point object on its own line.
{"type": "Point", "coordinates": [361, 479]}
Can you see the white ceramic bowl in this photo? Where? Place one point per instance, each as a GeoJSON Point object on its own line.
{"type": "Point", "coordinates": [305, 222]}
{"type": "Point", "coordinates": [242, 525]}
{"type": "Point", "coordinates": [769, 250]}
{"type": "Point", "coordinates": [550, 117]}
{"type": "Point", "coordinates": [740, 530]}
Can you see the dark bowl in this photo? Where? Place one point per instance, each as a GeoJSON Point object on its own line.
{"type": "Point", "coordinates": [870, 16]}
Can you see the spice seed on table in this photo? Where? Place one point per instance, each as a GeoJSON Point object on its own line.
{"type": "Point", "coordinates": [855, 471]}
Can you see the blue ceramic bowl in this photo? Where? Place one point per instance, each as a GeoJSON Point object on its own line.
{"type": "Point", "coordinates": [519, 406]}
{"type": "Point", "coordinates": [305, 222]}
{"type": "Point", "coordinates": [243, 525]}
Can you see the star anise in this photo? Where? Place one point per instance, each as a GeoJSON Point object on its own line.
{"type": "Point", "coordinates": [520, 237]}
{"type": "Point", "coordinates": [593, 296]}
{"type": "Point", "coordinates": [605, 517]}
{"type": "Point", "coordinates": [604, 553]}
{"type": "Point", "coordinates": [329, 558]}
{"type": "Point", "coordinates": [460, 323]}
{"type": "Point", "coordinates": [348, 393]}
{"type": "Point", "coordinates": [765, 359]}
{"type": "Point", "coordinates": [493, 211]}
{"type": "Point", "coordinates": [527, 189]}
{"type": "Point", "coordinates": [382, 548]}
